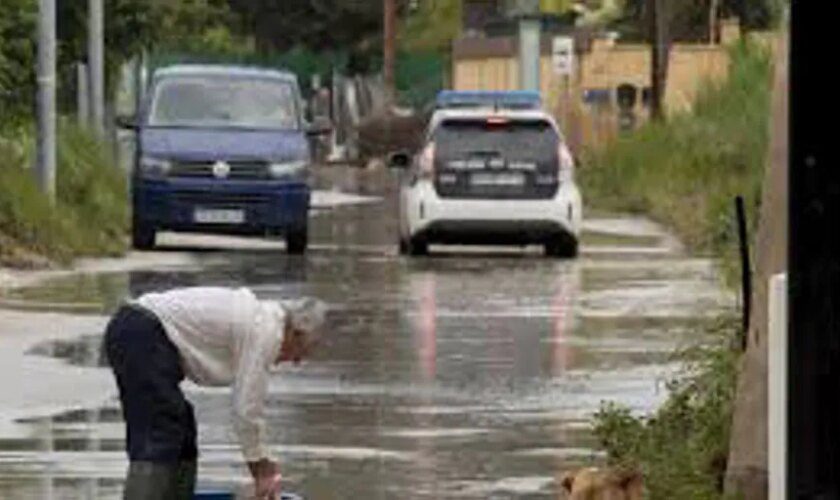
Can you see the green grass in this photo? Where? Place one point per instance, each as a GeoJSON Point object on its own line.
{"type": "Point", "coordinates": [682, 448]}
{"type": "Point", "coordinates": [89, 216]}
{"type": "Point", "coordinates": [687, 171]}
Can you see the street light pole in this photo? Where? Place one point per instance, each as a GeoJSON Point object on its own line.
{"type": "Point", "coordinates": [46, 147]}
{"type": "Point", "coordinates": [527, 12]}
{"type": "Point", "coordinates": [96, 55]}
{"type": "Point", "coordinates": [529, 53]}
{"type": "Point", "coordinates": [82, 95]}
{"type": "Point", "coordinates": [389, 52]}
{"type": "Point", "coordinates": [659, 56]}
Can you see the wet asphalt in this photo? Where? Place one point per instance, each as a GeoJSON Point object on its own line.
{"type": "Point", "coordinates": [468, 374]}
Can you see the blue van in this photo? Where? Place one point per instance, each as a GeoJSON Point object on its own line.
{"type": "Point", "coordinates": [222, 149]}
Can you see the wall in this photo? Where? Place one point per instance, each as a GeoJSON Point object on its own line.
{"type": "Point", "coordinates": [490, 73]}
{"type": "Point", "coordinates": [746, 475]}
{"type": "Point", "coordinates": [602, 65]}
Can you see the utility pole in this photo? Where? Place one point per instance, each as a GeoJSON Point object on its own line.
{"type": "Point", "coordinates": [713, 20]}
{"type": "Point", "coordinates": [82, 95]}
{"type": "Point", "coordinates": [96, 50]}
{"type": "Point", "coordinates": [659, 55]}
{"type": "Point", "coordinates": [527, 13]}
{"type": "Point", "coordinates": [46, 148]}
{"type": "Point", "coordinates": [530, 29]}
{"type": "Point", "coordinates": [390, 48]}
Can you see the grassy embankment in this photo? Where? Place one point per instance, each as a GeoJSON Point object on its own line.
{"type": "Point", "coordinates": [685, 173]}
{"type": "Point", "coordinates": [89, 216]}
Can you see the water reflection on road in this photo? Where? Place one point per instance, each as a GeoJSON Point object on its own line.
{"type": "Point", "coordinates": [469, 374]}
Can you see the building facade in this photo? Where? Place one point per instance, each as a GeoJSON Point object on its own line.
{"type": "Point", "coordinates": [586, 102]}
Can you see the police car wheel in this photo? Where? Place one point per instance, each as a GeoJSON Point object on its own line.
{"type": "Point", "coordinates": [418, 246]}
{"type": "Point", "coordinates": [562, 247]}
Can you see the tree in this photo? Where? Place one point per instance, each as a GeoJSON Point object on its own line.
{"type": "Point", "coordinates": [754, 14]}
{"type": "Point", "coordinates": [689, 19]}
{"type": "Point", "coordinates": [130, 26]}
{"type": "Point", "coordinates": [17, 58]}
{"type": "Point", "coordinates": [279, 25]}
{"type": "Point", "coordinates": [433, 26]}
{"type": "Point", "coordinates": [555, 6]}
{"type": "Point", "coordinates": [599, 12]}
{"type": "Point", "coordinates": [198, 25]}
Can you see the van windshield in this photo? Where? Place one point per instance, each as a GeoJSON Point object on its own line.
{"type": "Point", "coordinates": [224, 102]}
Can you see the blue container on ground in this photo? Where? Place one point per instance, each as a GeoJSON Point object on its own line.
{"type": "Point", "coordinates": [226, 495]}
{"type": "Point", "coordinates": [214, 495]}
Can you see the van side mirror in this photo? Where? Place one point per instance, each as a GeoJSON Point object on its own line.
{"type": "Point", "coordinates": [127, 122]}
{"type": "Point", "coordinates": [400, 160]}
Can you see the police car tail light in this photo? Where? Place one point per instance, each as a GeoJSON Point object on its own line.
{"type": "Point", "coordinates": [566, 164]}
{"type": "Point", "coordinates": [427, 161]}
{"type": "Point", "coordinates": [497, 121]}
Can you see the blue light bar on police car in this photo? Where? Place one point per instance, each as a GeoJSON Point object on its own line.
{"type": "Point", "coordinates": [518, 99]}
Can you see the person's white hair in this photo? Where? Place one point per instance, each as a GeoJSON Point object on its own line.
{"type": "Point", "coordinates": [306, 315]}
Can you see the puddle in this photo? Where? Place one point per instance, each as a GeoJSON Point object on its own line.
{"type": "Point", "coordinates": [85, 351]}
{"type": "Point", "coordinates": [469, 374]}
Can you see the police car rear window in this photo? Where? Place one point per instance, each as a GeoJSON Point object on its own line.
{"type": "Point", "coordinates": [534, 140]}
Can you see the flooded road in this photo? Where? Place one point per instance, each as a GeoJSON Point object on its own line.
{"type": "Point", "coordinates": [468, 374]}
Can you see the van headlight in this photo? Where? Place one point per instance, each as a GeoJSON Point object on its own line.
{"type": "Point", "coordinates": [287, 170]}
{"type": "Point", "coordinates": [154, 167]}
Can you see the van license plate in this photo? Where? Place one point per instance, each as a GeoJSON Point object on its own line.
{"type": "Point", "coordinates": [216, 216]}
{"type": "Point", "coordinates": [508, 179]}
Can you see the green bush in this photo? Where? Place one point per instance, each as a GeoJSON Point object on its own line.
{"type": "Point", "coordinates": [89, 216]}
{"type": "Point", "coordinates": [687, 171]}
{"type": "Point", "coordinates": [682, 449]}
{"type": "Point", "coordinates": [95, 189]}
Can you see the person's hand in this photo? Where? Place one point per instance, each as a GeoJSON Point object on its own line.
{"type": "Point", "coordinates": [266, 475]}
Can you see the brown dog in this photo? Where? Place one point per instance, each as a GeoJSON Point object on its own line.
{"type": "Point", "coordinates": [603, 484]}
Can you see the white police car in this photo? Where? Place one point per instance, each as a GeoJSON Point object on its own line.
{"type": "Point", "coordinates": [490, 176]}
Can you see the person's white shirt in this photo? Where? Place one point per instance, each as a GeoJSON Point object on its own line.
{"type": "Point", "coordinates": [226, 337]}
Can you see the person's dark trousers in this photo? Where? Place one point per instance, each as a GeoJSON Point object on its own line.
{"type": "Point", "coordinates": [160, 423]}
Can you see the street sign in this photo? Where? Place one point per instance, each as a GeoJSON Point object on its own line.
{"type": "Point", "coordinates": [563, 55]}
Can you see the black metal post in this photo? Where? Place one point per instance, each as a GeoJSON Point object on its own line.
{"type": "Point", "coordinates": [658, 26]}
{"type": "Point", "coordinates": [746, 269]}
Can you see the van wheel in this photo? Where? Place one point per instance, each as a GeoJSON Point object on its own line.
{"type": "Point", "coordinates": [142, 236]}
{"type": "Point", "coordinates": [297, 242]}
{"type": "Point", "coordinates": [417, 246]}
{"type": "Point", "coordinates": [562, 247]}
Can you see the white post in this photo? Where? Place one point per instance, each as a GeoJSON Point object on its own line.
{"type": "Point", "coordinates": [46, 148]}
{"type": "Point", "coordinates": [82, 95]}
{"type": "Point", "coordinates": [777, 384]}
{"type": "Point", "coordinates": [96, 64]}
{"type": "Point", "coordinates": [529, 53]}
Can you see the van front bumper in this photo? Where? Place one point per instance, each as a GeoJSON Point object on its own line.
{"type": "Point", "coordinates": [264, 206]}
